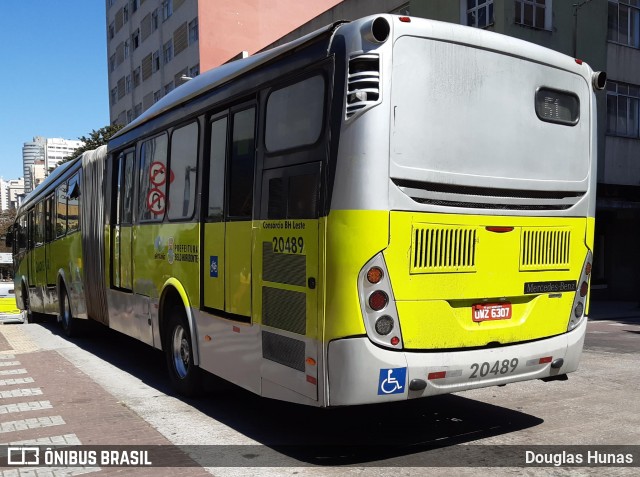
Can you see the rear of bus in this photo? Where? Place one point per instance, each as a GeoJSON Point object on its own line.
{"type": "Point", "coordinates": [459, 240]}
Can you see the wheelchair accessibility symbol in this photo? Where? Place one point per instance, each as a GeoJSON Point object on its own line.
{"type": "Point", "coordinates": [392, 381]}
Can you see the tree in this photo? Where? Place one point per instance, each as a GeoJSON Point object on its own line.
{"type": "Point", "coordinates": [7, 217]}
{"type": "Point", "coordinates": [95, 139]}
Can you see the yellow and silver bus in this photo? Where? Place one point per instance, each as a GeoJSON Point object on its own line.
{"type": "Point", "coordinates": [382, 210]}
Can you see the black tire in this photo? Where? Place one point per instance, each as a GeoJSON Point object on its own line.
{"type": "Point", "coordinates": [186, 377]}
{"type": "Point", "coordinates": [67, 321]}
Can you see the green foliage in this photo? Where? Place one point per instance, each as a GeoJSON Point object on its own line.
{"type": "Point", "coordinates": [95, 139]}
{"type": "Point", "coordinates": [7, 217]}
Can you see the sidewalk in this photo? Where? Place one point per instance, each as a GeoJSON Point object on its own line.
{"type": "Point", "coordinates": [47, 401]}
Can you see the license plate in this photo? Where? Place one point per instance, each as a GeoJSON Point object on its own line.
{"type": "Point", "coordinates": [491, 311]}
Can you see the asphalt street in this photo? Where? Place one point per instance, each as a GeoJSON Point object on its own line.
{"type": "Point", "coordinates": [105, 388]}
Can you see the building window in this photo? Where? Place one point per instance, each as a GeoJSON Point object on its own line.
{"type": "Point", "coordinates": [125, 13]}
{"type": "Point", "coordinates": [194, 71]}
{"type": "Point", "coordinates": [156, 96]}
{"type": "Point", "coordinates": [112, 62]}
{"type": "Point", "coordinates": [135, 4]}
{"type": "Point", "coordinates": [129, 116]}
{"type": "Point", "coordinates": [168, 51]}
{"type": "Point", "coordinates": [167, 9]}
{"type": "Point", "coordinates": [624, 22]}
{"type": "Point", "coordinates": [156, 61]}
{"type": "Point", "coordinates": [534, 13]}
{"type": "Point", "coordinates": [477, 13]}
{"type": "Point", "coordinates": [126, 48]}
{"type": "Point", "coordinates": [193, 31]}
{"type": "Point", "coordinates": [135, 39]}
{"type": "Point", "coordinates": [127, 84]}
{"type": "Point", "coordinates": [402, 10]}
{"type": "Point", "coordinates": [112, 30]}
{"type": "Point", "coordinates": [154, 20]}
{"type": "Point", "coordinates": [168, 87]}
{"type": "Point", "coordinates": [114, 95]}
{"type": "Point", "coordinates": [137, 110]}
{"type": "Point", "coordinates": [622, 109]}
{"type": "Point", "coordinates": [136, 77]}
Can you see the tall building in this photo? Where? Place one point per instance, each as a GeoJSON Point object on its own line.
{"type": "Point", "coordinates": [154, 46]}
{"type": "Point", "coordinates": [32, 154]}
{"type": "Point", "coordinates": [11, 192]}
{"type": "Point", "coordinates": [42, 155]}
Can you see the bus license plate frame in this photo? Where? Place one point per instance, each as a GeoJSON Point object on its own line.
{"type": "Point", "coordinates": [481, 312]}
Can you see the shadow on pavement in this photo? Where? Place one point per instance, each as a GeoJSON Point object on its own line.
{"type": "Point", "coordinates": [339, 436]}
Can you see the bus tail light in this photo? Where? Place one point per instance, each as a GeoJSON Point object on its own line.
{"type": "Point", "coordinates": [378, 305]}
{"type": "Point", "coordinates": [378, 300]}
{"type": "Point", "coordinates": [580, 301]}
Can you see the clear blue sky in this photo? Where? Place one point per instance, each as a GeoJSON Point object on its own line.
{"type": "Point", "coordinates": [54, 73]}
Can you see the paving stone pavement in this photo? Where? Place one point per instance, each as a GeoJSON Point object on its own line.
{"type": "Point", "coordinates": [46, 401]}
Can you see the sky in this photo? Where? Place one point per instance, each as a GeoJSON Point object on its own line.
{"type": "Point", "coordinates": [53, 74]}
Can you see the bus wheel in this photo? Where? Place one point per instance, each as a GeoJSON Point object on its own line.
{"type": "Point", "coordinates": [184, 374]}
{"type": "Point", "coordinates": [66, 317]}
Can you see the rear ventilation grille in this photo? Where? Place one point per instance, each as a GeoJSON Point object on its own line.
{"type": "Point", "coordinates": [545, 249]}
{"type": "Point", "coordinates": [443, 249]}
{"type": "Point", "coordinates": [449, 195]}
{"type": "Point", "coordinates": [363, 83]}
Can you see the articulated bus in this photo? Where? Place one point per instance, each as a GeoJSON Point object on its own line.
{"type": "Point", "coordinates": [382, 210]}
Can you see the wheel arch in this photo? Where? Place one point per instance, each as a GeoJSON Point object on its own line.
{"type": "Point", "coordinates": [173, 293]}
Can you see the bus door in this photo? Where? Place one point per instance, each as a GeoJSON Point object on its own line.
{"type": "Point", "coordinates": [287, 236]}
{"type": "Point", "coordinates": [122, 233]}
{"type": "Point", "coordinates": [227, 243]}
{"type": "Point", "coordinates": [213, 282]}
{"type": "Point", "coordinates": [39, 258]}
{"type": "Point", "coordinates": [50, 270]}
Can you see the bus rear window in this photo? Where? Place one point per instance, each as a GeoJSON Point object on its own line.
{"type": "Point", "coordinates": [557, 106]}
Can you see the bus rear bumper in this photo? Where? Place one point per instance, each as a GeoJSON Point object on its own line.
{"type": "Point", "coordinates": [362, 373]}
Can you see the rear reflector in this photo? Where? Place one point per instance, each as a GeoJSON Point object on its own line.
{"type": "Point", "coordinates": [438, 375]}
{"type": "Point", "coordinates": [499, 230]}
{"type": "Point", "coordinates": [545, 360]}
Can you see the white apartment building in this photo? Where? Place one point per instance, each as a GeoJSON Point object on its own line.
{"type": "Point", "coordinates": [11, 192]}
{"type": "Point", "coordinates": [42, 155]}
{"type": "Point", "coordinates": [154, 46]}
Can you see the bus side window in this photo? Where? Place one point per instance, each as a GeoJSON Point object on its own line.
{"type": "Point", "coordinates": [61, 210]}
{"type": "Point", "coordinates": [39, 224]}
{"type": "Point", "coordinates": [73, 203]}
{"type": "Point", "coordinates": [303, 196]}
{"type": "Point", "coordinates": [127, 183]}
{"type": "Point", "coordinates": [23, 241]}
{"type": "Point", "coordinates": [184, 172]}
{"type": "Point", "coordinates": [217, 165]}
{"type": "Point", "coordinates": [153, 179]}
{"type": "Point", "coordinates": [48, 222]}
{"type": "Point", "coordinates": [243, 153]}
